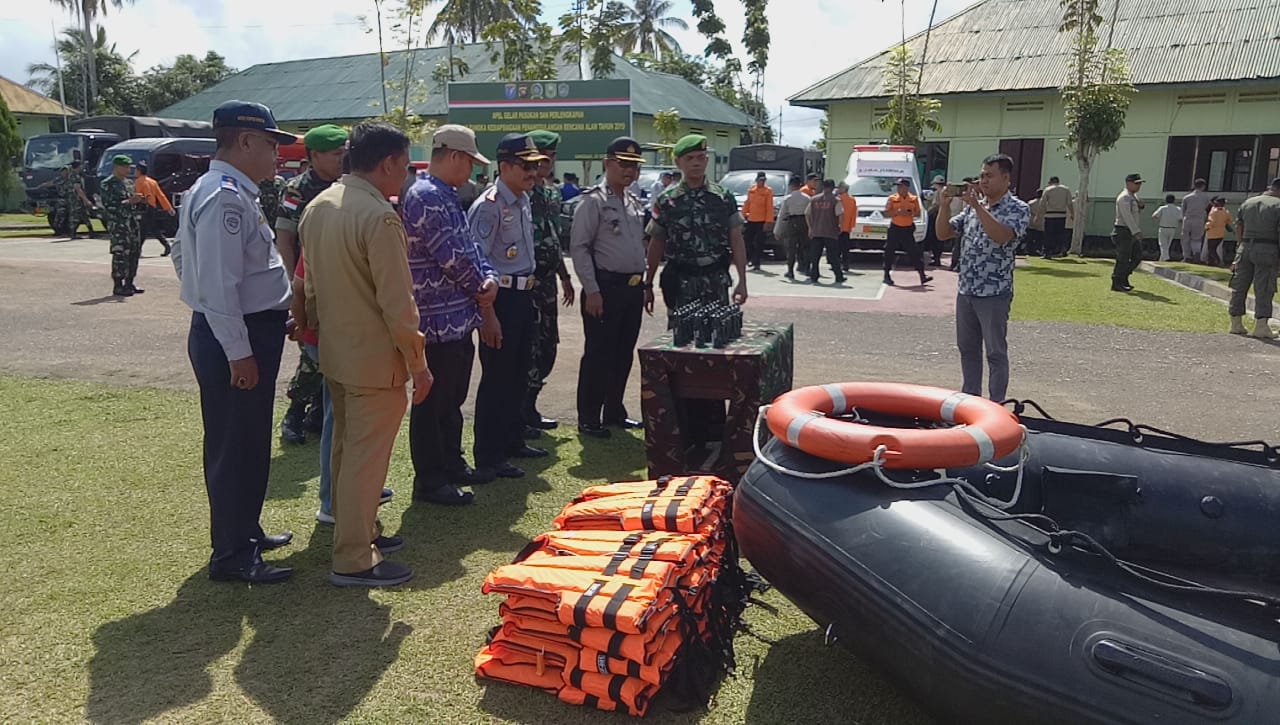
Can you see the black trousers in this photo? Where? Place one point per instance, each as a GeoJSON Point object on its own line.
{"type": "Point", "coordinates": [1055, 236]}
{"type": "Point", "coordinates": [902, 238]}
{"type": "Point", "coordinates": [237, 434]}
{"type": "Point", "coordinates": [816, 247]}
{"type": "Point", "coordinates": [435, 424]}
{"type": "Point", "coordinates": [608, 353]}
{"type": "Point", "coordinates": [152, 224]}
{"type": "Point", "coordinates": [504, 378]}
{"type": "Point", "coordinates": [932, 244]}
{"type": "Point", "coordinates": [753, 235]}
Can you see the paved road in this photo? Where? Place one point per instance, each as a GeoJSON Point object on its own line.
{"type": "Point", "coordinates": [57, 319]}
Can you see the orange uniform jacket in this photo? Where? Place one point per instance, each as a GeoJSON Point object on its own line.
{"type": "Point", "coordinates": [150, 190]}
{"type": "Point", "coordinates": [849, 212]}
{"type": "Point", "coordinates": [759, 206]}
{"type": "Point", "coordinates": [910, 202]}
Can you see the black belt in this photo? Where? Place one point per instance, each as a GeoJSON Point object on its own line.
{"type": "Point", "coordinates": [605, 278]}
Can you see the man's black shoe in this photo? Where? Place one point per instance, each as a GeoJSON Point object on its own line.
{"type": "Point", "coordinates": [275, 541]}
{"type": "Point", "coordinates": [389, 544]}
{"type": "Point", "coordinates": [135, 289]}
{"type": "Point", "coordinates": [595, 431]}
{"type": "Point", "coordinates": [386, 496]}
{"type": "Point", "coordinates": [625, 423]}
{"type": "Point", "coordinates": [291, 429]}
{"type": "Point", "coordinates": [122, 292]}
{"type": "Point", "coordinates": [925, 279]}
{"type": "Point", "coordinates": [259, 573]}
{"type": "Point", "coordinates": [501, 470]}
{"type": "Point", "coordinates": [314, 420]}
{"type": "Point", "coordinates": [529, 452]}
{"type": "Point", "coordinates": [840, 279]}
{"type": "Point", "coordinates": [888, 280]}
{"type": "Point", "coordinates": [542, 422]}
{"type": "Point", "coordinates": [471, 477]}
{"type": "Point", "coordinates": [386, 574]}
{"type": "Point", "coordinates": [531, 434]}
{"type": "Point", "coordinates": [790, 274]}
{"type": "Point", "coordinates": [1120, 287]}
{"type": "Point", "coordinates": [446, 495]}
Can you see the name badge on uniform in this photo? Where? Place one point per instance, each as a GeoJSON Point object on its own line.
{"type": "Point", "coordinates": [512, 251]}
{"type": "Point", "coordinates": [617, 228]}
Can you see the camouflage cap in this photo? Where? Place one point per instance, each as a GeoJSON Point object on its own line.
{"type": "Point", "coordinates": [325, 138]}
{"type": "Point", "coordinates": [545, 140]}
{"type": "Point", "coordinates": [692, 142]}
{"type": "Point", "coordinates": [121, 160]}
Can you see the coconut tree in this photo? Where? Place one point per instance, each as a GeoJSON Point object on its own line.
{"type": "Point", "coordinates": [463, 21]}
{"type": "Point", "coordinates": [645, 29]}
{"type": "Point", "coordinates": [87, 11]}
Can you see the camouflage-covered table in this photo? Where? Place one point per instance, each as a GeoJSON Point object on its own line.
{"type": "Point", "coordinates": [751, 371]}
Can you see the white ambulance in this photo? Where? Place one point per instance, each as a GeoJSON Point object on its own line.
{"type": "Point", "coordinates": [873, 172]}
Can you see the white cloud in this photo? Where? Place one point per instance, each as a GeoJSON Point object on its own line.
{"type": "Point", "coordinates": [810, 39]}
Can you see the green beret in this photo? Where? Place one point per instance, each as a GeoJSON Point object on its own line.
{"type": "Point", "coordinates": [545, 140]}
{"type": "Point", "coordinates": [325, 138]}
{"type": "Point", "coordinates": [121, 160]}
{"type": "Point", "coordinates": [692, 142]}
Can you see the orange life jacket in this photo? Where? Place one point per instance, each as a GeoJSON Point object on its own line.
{"type": "Point", "coordinates": [548, 669]}
{"type": "Point", "coordinates": [585, 597]}
{"type": "Point", "coordinates": [683, 505]}
{"type": "Point", "coordinates": [637, 648]}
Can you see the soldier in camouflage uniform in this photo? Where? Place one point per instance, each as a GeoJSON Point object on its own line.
{"type": "Point", "coordinates": [75, 202]}
{"type": "Point", "coordinates": [697, 229]}
{"type": "Point", "coordinates": [549, 264]}
{"type": "Point", "coordinates": [120, 207]}
{"type": "Point", "coordinates": [269, 192]}
{"type": "Point", "coordinates": [326, 145]}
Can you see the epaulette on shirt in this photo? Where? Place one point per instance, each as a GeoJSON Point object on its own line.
{"type": "Point", "coordinates": [490, 194]}
{"type": "Point", "coordinates": [229, 183]}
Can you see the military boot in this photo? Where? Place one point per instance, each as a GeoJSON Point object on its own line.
{"type": "Point", "coordinates": [314, 420]}
{"type": "Point", "coordinates": [1262, 329]}
{"type": "Point", "coordinates": [1237, 325]}
{"type": "Point", "coordinates": [291, 429]}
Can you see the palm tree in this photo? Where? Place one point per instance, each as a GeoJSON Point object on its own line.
{"type": "Point", "coordinates": [643, 31]}
{"type": "Point", "coordinates": [462, 21]}
{"type": "Point", "coordinates": [87, 11]}
{"type": "Point", "coordinates": [71, 49]}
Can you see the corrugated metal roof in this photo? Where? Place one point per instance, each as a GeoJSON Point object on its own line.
{"type": "Point", "coordinates": [1014, 45]}
{"type": "Point", "coordinates": [21, 99]}
{"type": "Point", "coordinates": [350, 87]}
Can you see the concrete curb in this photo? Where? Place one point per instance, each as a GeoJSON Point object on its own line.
{"type": "Point", "coordinates": [1203, 285]}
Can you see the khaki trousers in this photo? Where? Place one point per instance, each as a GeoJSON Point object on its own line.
{"type": "Point", "coordinates": [365, 423]}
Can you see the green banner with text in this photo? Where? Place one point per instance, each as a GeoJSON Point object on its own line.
{"type": "Point", "coordinates": [586, 114]}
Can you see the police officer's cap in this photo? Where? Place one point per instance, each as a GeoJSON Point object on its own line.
{"type": "Point", "coordinates": [325, 138]}
{"type": "Point", "coordinates": [813, 176]}
{"type": "Point", "coordinates": [243, 114]}
{"type": "Point", "coordinates": [142, 166]}
{"type": "Point", "coordinates": [518, 147]}
{"type": "Point", "coordinates": [625, 148]}
{"type": "Point", "coordinates": [903, 181]}
{"type": "Point", "coordinates": [1134, 178]}
{"type": "Point", "coordinates": [690, 143]}
{"type": "Point", "coordinates": [761, 175]}
{"type": "Point", "coordinates": [545, 140]}
{"type": "Point", "coordinates": [121, 160]}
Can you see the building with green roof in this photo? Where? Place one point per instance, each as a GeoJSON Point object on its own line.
{"type": "Point", "coordinates": [1208, 80]}
{"type": "Point", "coordinates": [346, 89]}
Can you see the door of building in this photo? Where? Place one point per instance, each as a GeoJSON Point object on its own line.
{"type": "Point", "coordinates": [1028, 159]}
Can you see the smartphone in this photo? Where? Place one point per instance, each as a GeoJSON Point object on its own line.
{"type": "Point", "coordinates": [956, 189]}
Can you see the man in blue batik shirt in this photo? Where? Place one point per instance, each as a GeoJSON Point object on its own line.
{"type": "Point", "coordinates": [989, 228]}
{"type": "Point", "coordinates": [454, 285]}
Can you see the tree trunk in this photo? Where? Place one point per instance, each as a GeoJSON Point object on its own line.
{"type": "Point", "coordinates": [91, 60]}
{"type": "Point", "coordinates": [1085, 164]}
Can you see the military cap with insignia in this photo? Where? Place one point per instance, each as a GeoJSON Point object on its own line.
{"type": "Point", "coordinates": [325, 138]}
{"type": "Point", "coordinates": [121, 160]}
{"type": "Point", "coordinates": [242, 114]}
{"type": "Point", "coordinates": [690, 143]}
{"type": "Point", "coordinates": [518, 147]}
{"type": "Point", "coordinates": [625, 148]}
{"type": "Point", "coordinates": [545, 140]}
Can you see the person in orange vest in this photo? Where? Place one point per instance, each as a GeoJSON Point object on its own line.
{"type": "Point", "coordinates": [758, 211]}
{"type": "Point", "coordinates": [902, 209]}
{"type": "Point", "coordinates": [848, 216]}
{"type": "Point", "coordinates": [812, 185]}
{"type": "Point", "coordinates": [150, 191]}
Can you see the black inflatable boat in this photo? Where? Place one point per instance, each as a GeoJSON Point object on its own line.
{"type": "Point", "coordinates": [1135, 579]}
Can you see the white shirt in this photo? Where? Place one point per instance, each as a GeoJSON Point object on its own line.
{"type": "Point", "coordinates": [793, 205]}
{"type": "Point", "coordinates": [225, 256]}
{"type": "Point", "coordinates": [1127, 212]}
{"type": "Point", "coordinates": [1168, 216]}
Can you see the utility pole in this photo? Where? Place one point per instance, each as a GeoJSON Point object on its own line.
{"type": "Point", "coordinates": [62, 93]}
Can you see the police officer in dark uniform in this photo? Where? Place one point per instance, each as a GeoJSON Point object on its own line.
{"type": "Point", "coordinates": [607, 246]}
{"type": "Point", "coordinates": [502, 219]}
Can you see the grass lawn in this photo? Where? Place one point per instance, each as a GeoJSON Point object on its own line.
{"type": "Point", "coordinates": [1078, 290]}
{"type": "Point", "coordinates": [107, 614]}
{"type": "Point", "coordinates": [7, 220]}
{"type": "Point", "coordinates": [14, 226]}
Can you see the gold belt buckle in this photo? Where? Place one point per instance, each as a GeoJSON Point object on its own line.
{"type": "Point", "coordinates": [634, 280]}
{"type": "Point", "coordinates": [530, 283]}
{"type": "Point", "coordinates": [505, 281]}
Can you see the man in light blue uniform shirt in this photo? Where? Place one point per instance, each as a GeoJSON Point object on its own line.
{"type": "Point", "coordinates": [502, 220]}
{"type": "Point", "coordinates": [235, 284]}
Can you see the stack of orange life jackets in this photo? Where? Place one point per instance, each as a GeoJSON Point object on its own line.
{"type": "Point", "coordinates": [638, 589]}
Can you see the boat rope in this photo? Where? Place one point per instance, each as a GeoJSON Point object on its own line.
{"type": "Point", "coordinates": [876, 466]}
{"type": "Point", "coordinates": [1059, 538]}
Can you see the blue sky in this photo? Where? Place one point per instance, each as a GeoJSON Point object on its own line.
{"type": "Point", "coordinates": [811, 39]}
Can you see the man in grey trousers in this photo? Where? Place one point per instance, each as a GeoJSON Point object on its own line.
{"type": "Point", "coordinates": [989, 227]}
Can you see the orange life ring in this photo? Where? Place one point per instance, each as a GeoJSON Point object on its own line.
{"type": "Point", "coordinates": [985, 430]}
